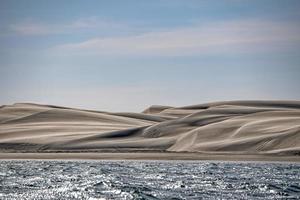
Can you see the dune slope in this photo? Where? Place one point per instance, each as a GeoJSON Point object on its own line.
{"type": "Point", "coordinates": [232, 127]}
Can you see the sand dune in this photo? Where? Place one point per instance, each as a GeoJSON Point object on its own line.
{"type": "Point", "coordinates": [231, 128]}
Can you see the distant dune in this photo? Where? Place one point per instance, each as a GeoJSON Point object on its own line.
{"type": "Point", "coordinates": [229, 128]}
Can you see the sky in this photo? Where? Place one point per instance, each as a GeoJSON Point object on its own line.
{"type": "Point", "coordinates": [128, 55]}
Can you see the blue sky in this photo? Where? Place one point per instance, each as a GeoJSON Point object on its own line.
{"type": "Point", "coordinates": [128, 55]}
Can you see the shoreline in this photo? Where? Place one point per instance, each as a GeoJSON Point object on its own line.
{"type": "Point", "coordinates": [149, 157]}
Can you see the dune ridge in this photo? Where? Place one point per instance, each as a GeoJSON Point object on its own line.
{"type": "Point", "coordinates": [229, 127]}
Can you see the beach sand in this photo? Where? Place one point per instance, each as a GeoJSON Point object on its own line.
{"type": "Point", "coordinates": [147, 156]}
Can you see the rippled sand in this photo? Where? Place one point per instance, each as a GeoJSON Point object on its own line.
{"type": "Point", "coordinates": [233, 128]}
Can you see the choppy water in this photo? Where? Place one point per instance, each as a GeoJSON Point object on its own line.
{"type": "Point", "coordinates": [147, 180]}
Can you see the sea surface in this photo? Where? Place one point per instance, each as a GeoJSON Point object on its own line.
{"type": "Point", "coordinates": [148, 180]}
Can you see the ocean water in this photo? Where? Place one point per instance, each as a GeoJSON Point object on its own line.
{"type": "Point", "coordinates": [148, 180]}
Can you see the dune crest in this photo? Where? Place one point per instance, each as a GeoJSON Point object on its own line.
{"type": "Point", "coordinates": [233, 127]}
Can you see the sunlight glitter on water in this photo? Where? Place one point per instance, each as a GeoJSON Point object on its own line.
{"type": "Point", "coordinates": [148, 180]}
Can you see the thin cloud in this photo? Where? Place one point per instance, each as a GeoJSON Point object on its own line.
{"type": "Point", "coordinates": [33, 28]}
{"type": "Point", "coordinates": [246, 35]}
{"type": "Point", "coordinates": [95, 23]}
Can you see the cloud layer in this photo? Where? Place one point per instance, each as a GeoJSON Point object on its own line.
{"type": "Point", "coordinates": [31, 27]}
{"type": "Point", "coordinates": [242, 36]}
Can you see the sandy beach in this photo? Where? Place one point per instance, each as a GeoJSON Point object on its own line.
{"type": "Point", "coordinates": [147, 156]}
{"type": "Point", "coordinates": [230, 130]}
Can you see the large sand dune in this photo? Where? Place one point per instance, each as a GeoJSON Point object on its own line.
{"type": "Point", "coordinates": [231, 128]}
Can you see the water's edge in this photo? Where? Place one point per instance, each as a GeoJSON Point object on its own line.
{"type": "Point", "coordinates": [149, 156]}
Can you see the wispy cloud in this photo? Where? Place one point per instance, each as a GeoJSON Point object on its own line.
{"type": "Point", "coordinates": [95, 23]}
{"type": "Point", "coordinates": [33, 28]}
{"type": "Point", "coordinates": [244, 35]}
